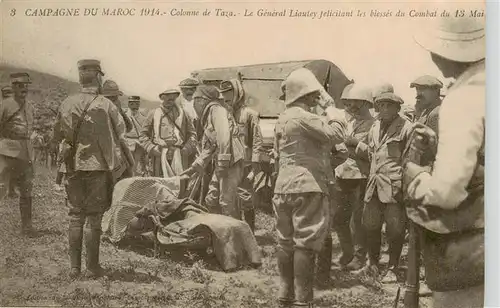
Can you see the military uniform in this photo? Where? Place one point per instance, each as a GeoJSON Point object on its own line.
{"type": "Point", "coordinates": [97, 155]}
{"type": "Point", "coordinates": [303, 142]}
{"type": "Point", "coordinates": [249, 132]}
{"type": "Point", "coordinates": [221, 144]}
{"type": "Point", "coordinates": [173, 128]}
{"type": "Point", "coordinates": [137, 118]}
{"type": "Point", "coordinates": [111, 91]}
{"type": "Point", "coordinates": [16, 151]}
{"type": "Point", "coordinates": [351, 179]}
{"type": "Point", "coordinates": [383, 197]}
{"type": "Point", "coordinates": [449, 199]}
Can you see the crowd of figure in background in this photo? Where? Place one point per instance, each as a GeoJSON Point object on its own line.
{"type": "Point", "coordinates": [350, 171]}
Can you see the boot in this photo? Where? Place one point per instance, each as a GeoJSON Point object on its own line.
{"type": "Point", "coordinates": [345, 240]}
{"type": "Point", "coordinates": [92, 244]}
{"type": "Point", "coordinates": [324, 263]}
{"type": "Point", "coordinates": [356, 263]}
{"type": "Point", "coordinates": [373, 240]}
{"type": "Point", "coordinates": [25, 209]}
{"type": "Point", "coordinates": [75, 238]}
{"type": "Point", "coordinates": [304, 262]}
{"type": "Point", "coordinates": [286, 294]}
{"type": "Point", "coordinates": [250, 218]}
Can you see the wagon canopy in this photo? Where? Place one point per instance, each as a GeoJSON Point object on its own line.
{"type": "Point", "coordinates": [262, 82]}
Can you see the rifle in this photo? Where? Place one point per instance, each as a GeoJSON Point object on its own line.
{"type": "Point", "coordinates": [412, 285]}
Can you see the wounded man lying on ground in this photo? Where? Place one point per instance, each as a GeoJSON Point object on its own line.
{"type": "Point", "coordinates": [145, 205]}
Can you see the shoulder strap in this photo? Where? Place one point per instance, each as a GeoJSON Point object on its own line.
{"type": "Point", "coordinates": [2, 126]}
{"type": "Point", "coordinates": [175, 124]}
{"type": "Point", "coordinates": [76, 131]}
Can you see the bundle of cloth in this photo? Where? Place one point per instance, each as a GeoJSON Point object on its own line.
{"type": "Point", "coordinates": [148, 204]}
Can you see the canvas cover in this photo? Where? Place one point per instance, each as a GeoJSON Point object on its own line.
{"type": "Point", "coordinates": [262, 82]}
{"type": "Point", "coordinates": [183, 221]}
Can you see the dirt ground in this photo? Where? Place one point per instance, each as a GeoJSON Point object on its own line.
{"type": "Point", "coordinates": [34, 271]}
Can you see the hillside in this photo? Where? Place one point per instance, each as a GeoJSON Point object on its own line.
{"type": "Point", "coordinates": [48, 91]}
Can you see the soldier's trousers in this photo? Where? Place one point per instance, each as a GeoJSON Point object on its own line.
{"type": "Point", "coordinates": [88, 196]}
{"type": "Point", "coordinates": [223, 191]}
{"type": "Point", "coordinates": [347, 217]}
{"type": "Point", "coordinates": [302, 220]}
{"type": "Point", "coordinates": [18, 171]}
{"type": "Point", "coordinates": [375, 214]}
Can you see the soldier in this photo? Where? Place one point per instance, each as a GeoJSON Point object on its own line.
{"type": "Point", "coordinates": [16, 152]}
{"type": "Point", "coordinates": [168, 131]}
{"type": "Point", "coordinates": [351, 177]}
{"type": "Point", "coordinates": [250, 134]}
{"type": "Point", "coordinates": [428, 100]}
{"type": "Point", "coordinates": [188, 87]}
{"type": "Point", "coordinates": [137, 118]}
{"type": "Point", "coordinates": [303, 141]}
{"type": "Point", "coordinates": [449, 195]}
{"type": "Point", "coordinates": [13, 192]}
{"type": "Point", "coordinates": [93, 133]}
{"type": "Point", "coordinates": [387, 140]}
{"type": "Point", "coordinates": [111, 91]}
{"type": "Point", "coordinates": [220, 143]}
{"type": "Point", "coordinates": [380, 89]}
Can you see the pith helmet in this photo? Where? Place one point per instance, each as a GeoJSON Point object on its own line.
{"type": "Point", "coordinates": [110, 88]}
{"type": "Point", "coordinates": [357, 92]}
{"type": "Point", "coordinates": [460, 39]}
{"type": "Point", "coordinates": [300, 83]}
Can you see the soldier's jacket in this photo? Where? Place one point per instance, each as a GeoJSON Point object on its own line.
{"type": "Point", "coordinates": [97, 146]}
{"type": "Point", "coordinates": [250, 133]}
{"type": "Point", "coordinates": [385, 153]}
{"type": "Point", "coordinates": [355, 166]}
{"type": "Point", "coordinates": [303, 142]}
{"type": "Point", "coordinates": [15, 133]}
{"type": "Point", "coordinates": [220, 138]}
{"type": "Point", "coordinates": [138, 121]}
{"type": "Point", "coordinates": [187, 133]}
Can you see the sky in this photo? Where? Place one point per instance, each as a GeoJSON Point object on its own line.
{"type": "Point", "coordinates": [147, 54]}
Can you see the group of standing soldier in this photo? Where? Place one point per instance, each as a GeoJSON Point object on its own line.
{"type": "Point", "coordinates": [385, 169]}
{"type": "Point", "coordinates": [343, 170]}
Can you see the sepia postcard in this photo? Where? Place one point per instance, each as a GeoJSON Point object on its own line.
{"type": "Point", "coordinates": [243, 154]}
